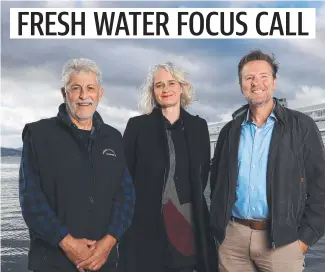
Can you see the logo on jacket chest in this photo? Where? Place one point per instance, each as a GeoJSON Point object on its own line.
{"type": "Point", "coordinates": [109, 152]}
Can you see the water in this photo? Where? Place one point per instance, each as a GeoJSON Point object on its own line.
{"type": "Point", "coordinates": [14, 234]}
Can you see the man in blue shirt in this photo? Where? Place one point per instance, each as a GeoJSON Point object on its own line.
{"type": "Point", "coordinates": [267, 179]}
{"type": "Point", "coordinates": [252, 165]}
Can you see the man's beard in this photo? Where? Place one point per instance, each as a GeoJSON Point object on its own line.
{"type": "Point", "coordinates": [256, 102]}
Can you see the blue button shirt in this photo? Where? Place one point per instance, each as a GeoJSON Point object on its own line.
{"type": "Point", "coordinates": [253, 152]}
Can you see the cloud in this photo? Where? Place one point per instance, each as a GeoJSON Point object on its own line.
{"type": "Point", "coordinates": [42, 102]}
{"type": "Point", "coordinates": [75, 4]}
{"type": "Point", "coordinates": [307, 95]}
{"type": "Point", "coordinates": [316, 47]}
{"type": "Point", "coordinates": [31, 71]}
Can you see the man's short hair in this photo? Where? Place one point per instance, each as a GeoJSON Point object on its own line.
{"type": "Point", "coordinates": [258, 55]}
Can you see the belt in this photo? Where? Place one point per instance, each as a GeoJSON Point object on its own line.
{"type": "Point", "coordinates": [253, 224]}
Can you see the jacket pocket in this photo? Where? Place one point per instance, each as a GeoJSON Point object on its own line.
{"type": "Point", "coordinates": [302, 190]}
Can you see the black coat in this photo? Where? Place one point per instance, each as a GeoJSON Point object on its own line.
{"type": "Point", "coordinates": [145, 150]}
{"type": "Point", "coordinates": [295, 178]}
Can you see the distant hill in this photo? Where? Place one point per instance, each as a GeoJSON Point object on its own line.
{"type": "Point", "coordinates": [12, 152]}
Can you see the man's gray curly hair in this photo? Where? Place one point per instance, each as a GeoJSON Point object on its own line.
{"type": "Point", "coordinates": [78, 65]}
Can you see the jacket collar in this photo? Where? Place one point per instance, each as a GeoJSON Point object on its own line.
{"type": "Point", "coordinates": [184, 115]}
{"type": "Point", "coordinates": [65, 117]}
{"type": "Point", "coordinates": [242, 112]}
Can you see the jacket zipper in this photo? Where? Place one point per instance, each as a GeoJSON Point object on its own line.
{"type": "Point", "coordinates": [228, 200]}
{"type": "Point", "coordinates": [92, 166]}
{"type": "Point", "coordinates": [271, 204]}
{"type": "Point", "coordinates": [228, 197]}
{"type": "Point", "coordinates": [229, 175]}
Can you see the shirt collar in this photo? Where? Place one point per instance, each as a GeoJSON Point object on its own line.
{"type": "Point", "coordinates": [176, 125]}
{"type": "Point", "coordinates": [248, 118]}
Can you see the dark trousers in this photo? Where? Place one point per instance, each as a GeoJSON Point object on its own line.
{"type": "Point", "coordinates": [185, 269]}
{"type": "Point", "coordinates": [113, 269]}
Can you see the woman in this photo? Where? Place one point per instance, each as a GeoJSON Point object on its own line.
{"type": "Point", "coordinates": [168, 154]}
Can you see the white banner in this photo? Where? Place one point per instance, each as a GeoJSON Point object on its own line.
{"type": "Point", "coordinates": [162, 23]}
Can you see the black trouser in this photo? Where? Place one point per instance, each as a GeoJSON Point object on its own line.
{"type": "Point", "coordinates": [185, 269]}
{"type": "Point", "coordinates": [113, 269]}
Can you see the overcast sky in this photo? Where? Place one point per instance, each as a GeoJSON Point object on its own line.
{"type": "Point", "coordinates": [30, 75]}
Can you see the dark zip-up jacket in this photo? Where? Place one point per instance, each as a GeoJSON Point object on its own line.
{"type": "Point", "coordinates": [295, 178]}
{"type": "Point", "coordinates": [68, 187]}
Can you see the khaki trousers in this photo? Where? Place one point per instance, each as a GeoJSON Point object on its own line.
{"type": "Point", "coordinates": [245, 249]}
